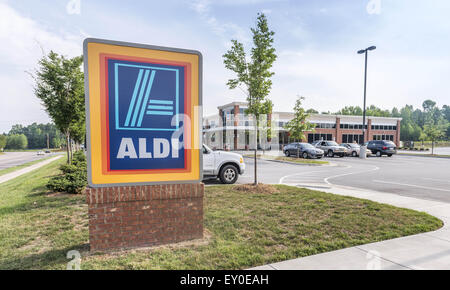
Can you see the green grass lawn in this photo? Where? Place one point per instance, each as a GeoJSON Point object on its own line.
{"type": "Point", "coordinates": [292, 159]}
{"type": "Point", "coordinates": [12, 169]}
{"type": "Point", "coordinates": [244, 229]}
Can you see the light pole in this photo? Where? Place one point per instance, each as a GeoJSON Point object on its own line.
{"type": "Point", "coordinates": [365, 88]}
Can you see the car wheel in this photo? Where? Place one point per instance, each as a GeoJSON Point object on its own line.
{"type": "Point", "coordinates": [354, 154]}
{"type": "Point", "coordinates": [330, 153]}
{"type": "Point", "coordinates": [305, 155]}
{"type": "Point", "coordinates": [287, 153]}
{"type": "Point", "coordinates": [389, 155]}
{"type": "Point", "coordinates": [378, 153]}
{"type": "Point", "coordinates": [228, 174]}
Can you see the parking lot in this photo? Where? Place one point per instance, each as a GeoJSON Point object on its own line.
{"type": "Point", "coordinates": [420, 177]}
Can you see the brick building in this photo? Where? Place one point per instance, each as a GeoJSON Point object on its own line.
{"type": "Point", "coordinates": [232, 129]}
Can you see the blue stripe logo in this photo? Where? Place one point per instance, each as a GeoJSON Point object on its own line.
{"type": "Point", "coordinates": [144, 101]}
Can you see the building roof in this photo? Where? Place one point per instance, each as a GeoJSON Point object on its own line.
{"type": "Point", "coordinates": [318, 117]}
{"type": "Point", "coordinates": [232, 104]}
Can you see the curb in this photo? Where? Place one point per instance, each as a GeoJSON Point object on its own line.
{"type": "Point", "coordinates": [330, 164]}
{"type": "Point", "coordinates": [424, 155]}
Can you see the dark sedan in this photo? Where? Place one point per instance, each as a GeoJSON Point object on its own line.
{"type": "Point", "coordinates": [380, 148]}
{"type": "Point", "coordinates": [304, 150]}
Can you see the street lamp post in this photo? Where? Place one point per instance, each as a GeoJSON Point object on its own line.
{"type": "Point", "coordinates": [365, 88]}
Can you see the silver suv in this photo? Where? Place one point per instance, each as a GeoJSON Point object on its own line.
{"type": "Point", "coordinates": [331, 148]}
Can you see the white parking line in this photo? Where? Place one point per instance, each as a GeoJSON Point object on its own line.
{"type": "Point", "coordinates": [346, 174]}
{"type": "Point", "coordinates": [440, 180]}
{"type": "Point", "coordinates": [291, 175]}
{"type": "Point", "coordinates": [308, 172]}
{"type": "Point", "coordinates": [411, 185]}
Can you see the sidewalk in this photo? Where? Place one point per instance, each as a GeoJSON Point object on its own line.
{"type": "Point", "coordinates": [17, 173]}
{"type": "Point", "coordinates": [422, 251]}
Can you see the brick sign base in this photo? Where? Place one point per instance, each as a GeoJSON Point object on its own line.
{"type": "Point", "coordinates": [142, 216]}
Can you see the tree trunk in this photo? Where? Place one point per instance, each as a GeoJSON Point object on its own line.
{"type": "Point", "coordinates": [71, 151]}
{"type": "Point", "coordinates": [256, 152]}
{"type": "Point", "coordinates": [67, 147]}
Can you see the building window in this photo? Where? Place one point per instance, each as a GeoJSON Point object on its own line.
{"type": "Point", "coordinates": [352, 126]}
{"type": "Point", "coordinates": [319, 137]}
{"type": "Point", "coordinates": [352, 138]}
{"type": "Point", "coordinates": [383, 137]}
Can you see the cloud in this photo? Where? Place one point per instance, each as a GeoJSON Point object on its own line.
{"type": "Point", "coordinates": [225, 30]}
{"type": "Point", "coordinates": [24, 41]}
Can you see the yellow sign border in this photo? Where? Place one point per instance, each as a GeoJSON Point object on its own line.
{"type": "Point", "coordinates": [93, 48]}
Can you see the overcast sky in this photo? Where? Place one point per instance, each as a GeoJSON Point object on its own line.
{"type": "Point", "coordinates": [316, 43]}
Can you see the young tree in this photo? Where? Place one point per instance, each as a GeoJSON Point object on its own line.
{"type": "Point", "coordinates": [254, 75]}
{"type": "Point", "coordinates": [60, 87]}
{"type": "Point", "coordinates": [2, 142]}
{"type": "Point", "coordinates": [299, 125]}
{"type": "Point", "coordinates": [434, 130]}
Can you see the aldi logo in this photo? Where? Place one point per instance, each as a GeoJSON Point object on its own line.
{"type": "Point", "coordinates": [143, 124]}
{"type": "Point", "coordinates": [146, 101]}
{"type": "Point", "coordinates": [153, 98]}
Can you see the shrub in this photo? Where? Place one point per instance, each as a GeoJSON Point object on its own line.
{"type": "Point", "coordinates": [73, 178]}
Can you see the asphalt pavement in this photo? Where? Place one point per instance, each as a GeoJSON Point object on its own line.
{"type": "Point", "coordinates": [418, 177]}
{"type": "Point", "coordinates": [12, 159]}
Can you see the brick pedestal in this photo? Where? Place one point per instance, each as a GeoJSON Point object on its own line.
{"type": "Point", "coordinates": [141, 216]}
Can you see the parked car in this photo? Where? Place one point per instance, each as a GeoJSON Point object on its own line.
{"type": "Point", "coordinates": [354, 149]}
{"type": "Point", "coordinates": [48, 151]}
{"type": "Point", "coordinates": [226, 166]}
{"type": "Point", "coordinates": [380, 148]}
{"type": "Point", "coordinates": [332, 148]}
{"type": "Point", "coordinates": [304, 150]}
{"type": "Point", "coordinates": [40, 153]}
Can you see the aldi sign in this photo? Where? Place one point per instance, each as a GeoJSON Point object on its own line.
{"type": "Point", "coordinates": [143, 113]}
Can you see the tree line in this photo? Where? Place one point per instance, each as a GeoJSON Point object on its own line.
{"type": "Point", "coordinates": [429, 123]}
{"type": "Point", "coordinates": [34, 136]}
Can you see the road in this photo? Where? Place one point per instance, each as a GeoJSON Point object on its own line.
{"type": "Point", "coordinates": [11, 159]}
{"type": "Point", "coordinates": [420, 177]}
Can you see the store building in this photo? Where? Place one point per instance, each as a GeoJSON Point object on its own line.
{"type": "Point", "coordinates": [231, 129]}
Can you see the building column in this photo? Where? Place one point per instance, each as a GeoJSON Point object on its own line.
{"type": "Point", "coordinates": [222, 135]}
{"type": "Point", "coordinates": [397, 133]}
{"type": "Point", "coordinates": [236, 123]}
{"type": "Point", "coordinates": [338, 136]}
{"type": "Point", "coordinates": [369, 129]}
